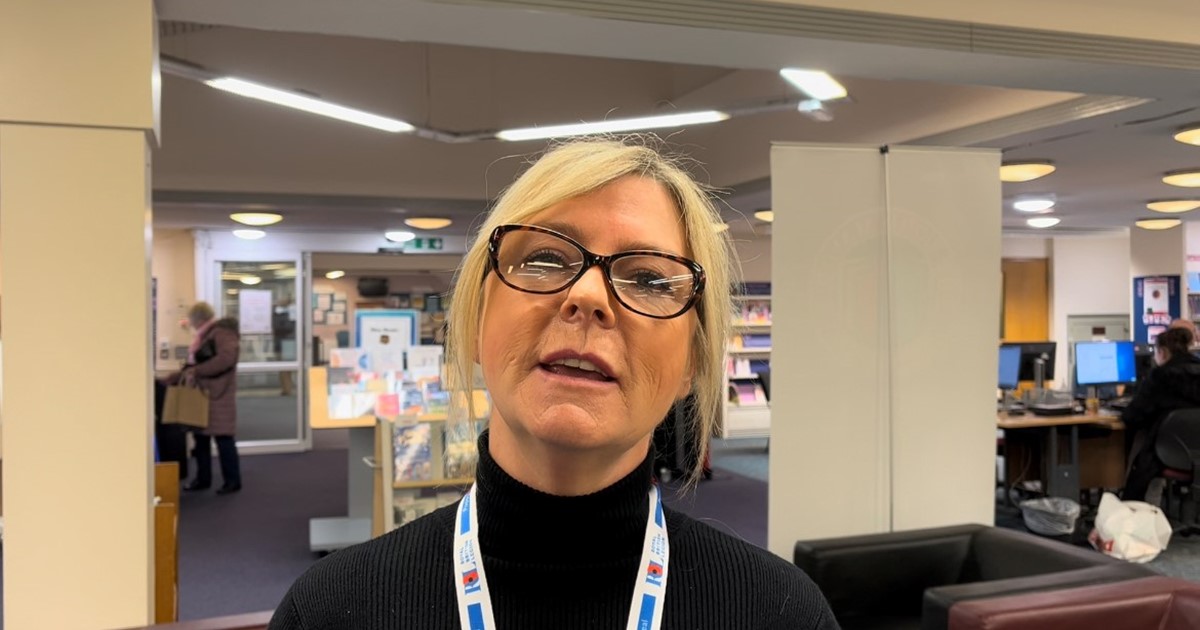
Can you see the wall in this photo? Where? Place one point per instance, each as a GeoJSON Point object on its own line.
{"type": "Point", "coordinates": [1022, 247]}
{"type": "Point", "coordinates": [173, 266]}
{"type": "Point", "coordinates": [1090, 275]}
{"type": "Point", "coordinates": [416, 283]}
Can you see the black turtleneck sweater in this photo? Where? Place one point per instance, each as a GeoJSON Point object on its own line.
{"type": "Point", "coordinates": [561, 563]}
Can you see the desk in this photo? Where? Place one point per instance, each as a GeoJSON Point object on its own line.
{"type": "Point", "coordinates": [1064, 476]}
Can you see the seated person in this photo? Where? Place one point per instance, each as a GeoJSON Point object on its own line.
{"type": "Point", "coordinates": [1188, 325]}
{"type": "Point", "coordinates": [1174, 384]}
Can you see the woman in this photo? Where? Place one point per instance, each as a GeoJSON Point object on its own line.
{"type": "Point", "coordinates": [1174, 384]}
{"type": "Point", "coordinates": [595, 296]}
{"type": "Point", "coordinates": [212, 365]}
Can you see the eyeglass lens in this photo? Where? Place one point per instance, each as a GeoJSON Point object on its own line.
{"type": "Point", "coordinates": [544, 263]}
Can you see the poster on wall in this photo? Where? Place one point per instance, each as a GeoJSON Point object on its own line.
{"type": "Point", "coordinates": [254, 312]}
{"type": "Point", "coordinates": [1155, 305]}
{"type": "Point", "coordinates": [384, 335]}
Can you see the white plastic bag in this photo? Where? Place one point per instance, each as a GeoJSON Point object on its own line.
{"type": "Point", "coordinates": [1131, 530]}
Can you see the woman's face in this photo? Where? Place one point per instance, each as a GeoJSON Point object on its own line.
{"type": "Point", "coordinates": [646, 359]}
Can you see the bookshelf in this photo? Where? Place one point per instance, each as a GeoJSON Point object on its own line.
{"type": "Point", "coordinates": [422, 463]}
{"type": "Point", "coordinates": [746, 412]}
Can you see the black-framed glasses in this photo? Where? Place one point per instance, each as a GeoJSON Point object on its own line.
{"type": "Point", "coordinates": [539, 260]}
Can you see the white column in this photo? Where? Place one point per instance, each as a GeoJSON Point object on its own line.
{"type": "Point", "coordinates": [77, 112]}
{"type": "Point", "coordinates": [885, 333]}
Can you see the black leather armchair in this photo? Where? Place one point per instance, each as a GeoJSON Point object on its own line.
{"type": "Point", "coordinates": [912, 579]}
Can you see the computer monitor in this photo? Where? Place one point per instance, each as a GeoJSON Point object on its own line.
{"type": "Point", "coordinates": [1105, 363]}
{"type": "Point", "coordinates": [1030, 351]}
{"type": "Point", "coordinates": [1010, 367]}
{"type": "Point", "coordinates": [1143, 356]}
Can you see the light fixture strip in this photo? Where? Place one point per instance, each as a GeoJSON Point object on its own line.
{"type": "Point", "coordinates": [815, 83]}
{"type": "Point", "coordinates": [613, 126]}
{"type": "Point", "coordinates": [308, 104]}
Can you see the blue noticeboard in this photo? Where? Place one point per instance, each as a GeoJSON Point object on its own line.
{"type": "Point", "coordinates": [1156, 303]}
{"type": "Point", "coordinates": [385, 334]}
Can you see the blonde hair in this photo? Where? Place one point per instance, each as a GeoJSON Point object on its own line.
{"type": "Point", "coordinates": [577, 168]}
{"type": "Point", "coordinates": [201, 312]}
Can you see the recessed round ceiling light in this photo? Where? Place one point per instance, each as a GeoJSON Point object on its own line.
{"type": "Point", "coordinates": [399, 237]}
{"type": "Point", "coordinates": [1171, 206]}
{"type": "Point", "coordinates": [334, 275]}
{"type": "Point", "coordinates": [1158, 224]}
{"type": "Point", "coordinates": [249, 235]}
{"type": "Point", "coordinates": [765, 215]}
{"type": "Point", "coordinates": [1043, 222]}
{"type": "Point", "coordinates": [1025, 171]}
{"type": "Point", "coordinates": [428, 223]}
{"type": "Point", "coordinates": [231, 291]}
{"type": "Point", "coordinates": [1184, 179]}
{"type": "Point", "coordinates": [1189, 135]}
{"type": "Point", "coordinates": [256, 218]}
{"type": "Point", "coordinates": [1039, 204]}
{"type": "Point", "coordinates": [250, 280]}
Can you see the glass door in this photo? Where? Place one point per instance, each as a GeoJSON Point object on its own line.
{"type": "Point", "coordinates": [264, 297]}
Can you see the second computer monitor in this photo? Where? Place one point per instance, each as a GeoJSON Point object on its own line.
{"type": "Point", "coordinates": [1010, 367]}
{"type": "Point", "coordinates": [1030, 352]}
{"type": "Point", "coordinates": [1105, 363]}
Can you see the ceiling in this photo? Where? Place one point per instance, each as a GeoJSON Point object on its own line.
{"type": "Point", "coordinates": [221, 152]}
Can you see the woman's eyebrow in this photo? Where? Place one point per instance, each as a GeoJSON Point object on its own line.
{"type": "Point", "coordinates": [629, 245]}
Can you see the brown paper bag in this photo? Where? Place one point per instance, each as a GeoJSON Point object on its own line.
{"type": "Point", "coordinates": [186, 405]}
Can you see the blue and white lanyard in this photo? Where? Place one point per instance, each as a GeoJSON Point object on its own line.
{"type": "Point", "coordinates": [475, 600]}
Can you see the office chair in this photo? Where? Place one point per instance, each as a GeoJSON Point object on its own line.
{"type": "Point", "coordinates": [1178, 448]}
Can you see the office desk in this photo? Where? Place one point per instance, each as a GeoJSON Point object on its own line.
{"type": "Point", "coordinates": [1106, 457]}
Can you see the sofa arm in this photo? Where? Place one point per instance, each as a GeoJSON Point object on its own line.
{"type": "Point", "coordinates": [884, 574]}
{"type": "Point", "coordinates": [1154, 602]}
{"type": "Point", "coordinates": [938, 601]}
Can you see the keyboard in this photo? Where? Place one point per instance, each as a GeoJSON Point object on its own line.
{"type": "Point", "coordinates": [1120, 403]}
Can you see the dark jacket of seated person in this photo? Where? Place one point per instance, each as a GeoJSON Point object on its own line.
{"type": "Point", "coordinates": [1173, 385]}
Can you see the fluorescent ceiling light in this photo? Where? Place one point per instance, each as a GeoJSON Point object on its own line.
{"type": "Point", "coordinates": [249, 235]}
{"type": "Point", "coordinates": [613, 126]}
{"type": "Point", "coordinates": [251, 280]}
{"type": "Point", "coordinates": [1039, 204]}
{"type": "Point", "coordinates": [720, 227]}
{"type": "Point", "coordinates": [1184, 179]}
{"type": "Point", "coordinates": [765, 215]}
{"type": "Point", "coordinates": [399, 237]}
{"type": "Point", "coordinates": [334, 275]}
{"type": "Point", "coordinates": [427, 223]}
{"type": "Point", "coordinates": [1158, 224]}
{"type": "Point", "coordinates": [1026, 171]}
{"type": "Point", "coordinates": [308, 104]}
{"type": "Point", "coordinates": [256, 218]}
{"type": "Point", "coordinates": [815, 83]}
{"type": "Point", "coordinates": [1172, 206]}
{"type": "Point", "coordinates": [1043, 222]}
{"type": "Point", "coordinates": [1190, 135]}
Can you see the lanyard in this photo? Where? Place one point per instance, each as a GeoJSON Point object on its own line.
{"type": "Point", "coordinates": [475, 600]}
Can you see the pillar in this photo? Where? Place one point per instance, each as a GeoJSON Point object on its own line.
{"type": "Point", "coordinates": [78, 114]}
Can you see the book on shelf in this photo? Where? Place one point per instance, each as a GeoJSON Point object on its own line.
{"type": "Point", "coordinates": [755, 341]}
{"type": "Point", "coordinates": [412, 451]}
{"type": "Point", "coordinates": [755, 313]}
{"type": "Point", "coordinates": [747, 393]}
{"type": "Point", "coordinates": [754, 288]}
